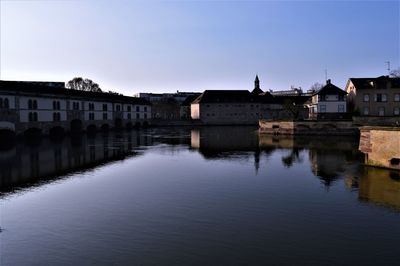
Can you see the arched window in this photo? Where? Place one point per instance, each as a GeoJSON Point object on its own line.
{"type": "Point", "coordinates": [35, 116]}
{"type": "Point", "coordinates": [30, 117]}
{"type": "Point", "coordinates": [34, 104]}
{"type": "Point", "coordinates": [30, 104]}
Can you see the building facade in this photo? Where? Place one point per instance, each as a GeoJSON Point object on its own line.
{"type": "Point", "coordinates": [241, 107]}
{"type": "Point", "coordinates": [167, 106]}
{"type": "Point", "coordinates": [34, 105]}
{"type": "Point", "coordinates": [374, 96]}
{"type": "Point", "coordinates": [329, 103]}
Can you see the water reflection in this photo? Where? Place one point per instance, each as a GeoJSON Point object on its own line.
{"type": "Point", "coordinates": [32, 163]}
{"type": "Point", "coordinates": [331, 160]}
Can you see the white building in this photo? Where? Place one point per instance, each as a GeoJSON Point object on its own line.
{"type": "Point", "coordinates": [328, 102]}
{"type": "Point", "coordinates": [38, 105]}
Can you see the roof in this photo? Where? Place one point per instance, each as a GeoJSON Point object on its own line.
{"type": "Point", "coordinates": [256, 91]}
{"type": "Point", "coordinates": [365, 83]}
{"type": "Point", "coordinates": [224, 96]}
{"type": "Point", "coordinates": [244, 96]}
{"type": "Point", "coordinates": [330, 89]}
{"type": "Point", "coordinates": [190, 99]}
{"type": "Point", "coordinates": [39, 89]}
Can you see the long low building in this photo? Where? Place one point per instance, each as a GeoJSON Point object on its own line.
{"type": "Point", "coordinates": [47, 106]}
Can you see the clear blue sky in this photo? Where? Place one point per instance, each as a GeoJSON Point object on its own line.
{"type": "Point", "coordinates": [162, 46]}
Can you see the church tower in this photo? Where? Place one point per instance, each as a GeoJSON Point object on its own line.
{"type": "Point", "coordinates": [256, 90]}
{"type": "Point", "coordinates": [257, 83]}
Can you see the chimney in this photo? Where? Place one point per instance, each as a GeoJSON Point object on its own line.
{"type": "Point", "coordinates": [328, 81]}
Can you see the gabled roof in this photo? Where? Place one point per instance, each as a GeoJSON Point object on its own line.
{"type": "Point", "coordinates": [40, 90]}
{"type": "Point", "coordinates": [330, 89]}
{"type": "Point", "coordinates": [368, 83]}
{"type": "Point", "coordinates": [224, 96]}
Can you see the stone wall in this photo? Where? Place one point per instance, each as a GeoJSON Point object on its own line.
{"type": "Point", "coordinates": [308, 127]}
{"type": "Point", "coordinates": [381, 146]}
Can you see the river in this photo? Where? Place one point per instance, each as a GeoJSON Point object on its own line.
{"type": "Point", "coordinates": [206, 196]}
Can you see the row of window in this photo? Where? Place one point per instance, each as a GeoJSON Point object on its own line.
{"type": "Point", "coordinates": [381, 111]}
{"type": "Point", "coordinates": [105, 116]}
{"type": "Point", "coordinates": [381, 97]}
{"type": "Point", "coordinates": [4, 103]}
{"type": "Point", "coordinates": [32, 104]}
{"type": "Point", "coordinates": [322, 108]}
{"type": "Point", "coordinates": [322, 98]}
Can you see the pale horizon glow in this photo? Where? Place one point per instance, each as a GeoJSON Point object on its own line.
{"type": "Point", "coordinates": [139, 46]}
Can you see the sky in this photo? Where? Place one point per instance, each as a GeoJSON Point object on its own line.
{"type": "Point", "coordinates": [165, 46]}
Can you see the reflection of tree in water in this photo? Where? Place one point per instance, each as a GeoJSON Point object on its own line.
{"type": "Point", "coordinates": [293, 157]}
{"type": "Point", "coordinates": [327, 164]}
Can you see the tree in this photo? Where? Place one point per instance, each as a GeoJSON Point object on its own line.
{"type": "Point", "coordinates": [395, 73]}
{"type": "Point", "coordinates": [316, 86]}
{"type": "Point", "coordinates": [81, 84]}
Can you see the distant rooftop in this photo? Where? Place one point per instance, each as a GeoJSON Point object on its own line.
{"type": "Point", "coordinates": [42, 87]}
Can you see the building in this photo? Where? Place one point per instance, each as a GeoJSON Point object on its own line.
{"type": "Point", "coordinates": [374, 96]}
{"type": "Point", "coordinates": [185, 106]}
{"type": "Point", "coordinates": [226, 107]}
{"type": "Point", "coordinates": [328, 103]}
{"type": "Point", "coordinates": [167, 106]}
{"type": "Point", "coordinates": [38, 106]}
{"type": "Point", "coordinates": [241, 107]}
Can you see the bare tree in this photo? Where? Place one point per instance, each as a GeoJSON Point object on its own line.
{"type": "Point", "coordinates": [316, 86]}
{"type": "Point", "coordinates": [395, 73]}
{"type": "Point", "coordinates": [81, 84]}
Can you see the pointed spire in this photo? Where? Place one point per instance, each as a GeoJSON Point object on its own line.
{"type": "Point", "coordinates": [257, 89]}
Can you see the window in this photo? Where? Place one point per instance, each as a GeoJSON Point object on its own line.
{"type": "Point", "coordinates": [56, 116]}
{"type": "Point", "coordinates": [91, 106]}
{"type": "Point", "coordinates": [91, 116]}
{"type": "Point", "coordinates": [145, 115]}
{"type": "Point", "coordinates": [75, 105]}
{"type": "Point", "coordinates": [6, 103]}
{"type": "Point", "coordinates": [35, 106]}
{"type": "Point", "coordinates": [381, 97]}
{"type": "Point", "coordinates": [366, 111]}
{"type": "Point", "coordinates": [32, 104]}
{"type": "Point", "coordinates": [56, 105]}
{"type": "Point", "coordinates": [322, 108]}
{"type": "Point", "coordinates": [105, 107]}
{"type": "Point", "coordinates": [145, 108]}
{"type": "Point", "coordinates": [105, 116]}
{"type": "Point", "coordinates": [118, 107]}
{"type": "Point", "coordinates": [128, 108]}
{"type": "Point", "coordinates": [129, 116]}
{"type": "Point", "coordinates": [366, 97]}
{"type": "Point", "coordinates": [137, 109]}
{"type": "Point", "coordinates": [342, 98]}
{"type": "Point", "coordinates": [137, 116]}
{"type": "Point", "coordinates": [397, 97]}
{"type": "Point", "coordinates": [341, 108]}
{"type": "Point", "coordinates": [33, 116]}
{"type": "Point", "coordinates": [381, 111]}
{"type": "Point", "coordinates": [396, 111]}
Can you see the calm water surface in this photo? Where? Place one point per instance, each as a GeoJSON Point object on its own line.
{"type": "Point", "coordinates": [209, 196]}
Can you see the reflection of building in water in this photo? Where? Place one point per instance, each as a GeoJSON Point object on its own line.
{"type": "Point", "coordinates": [380, 186]}
{"type": "Point", "coordinates": [227, 142]}
{"type": "Point", "coordinates": [25, 165]}
{"type": "Point", "coordinates": [215, 141]}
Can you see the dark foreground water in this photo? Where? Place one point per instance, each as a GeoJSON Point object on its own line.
{"type": "Point", "coordinates": [214, 196]}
